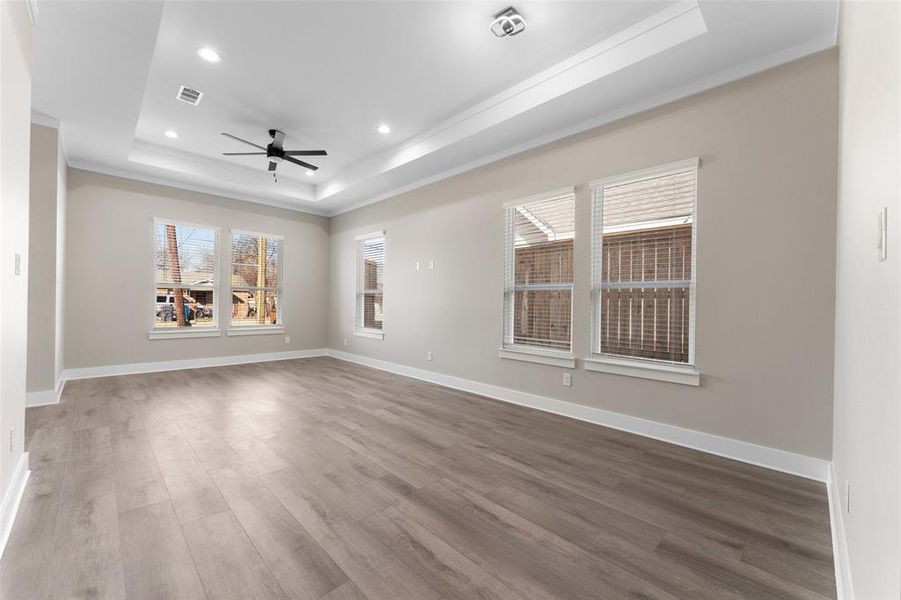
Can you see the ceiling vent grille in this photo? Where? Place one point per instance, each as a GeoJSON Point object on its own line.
{"type": "Point", "coordinates": [189, 95]}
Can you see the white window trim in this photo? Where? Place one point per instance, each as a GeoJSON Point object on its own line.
{"type": "Point", "coordinates": [255, 330]}
{"type": "Point", "coordinates": [169, 333]}
{"type": "Point", "coordinates": [534, 355]}
{"type": "Point", "coordinates": [360, 331]}
{"type": "Point", "coordinates": [237, 329]}
{"type": "Point", "coordinates": [645, 369]}
{"type": "Point", "coordinates": [686, 373]}
{"type": "Point", "coordinates": [186, 332]}
{"type": "Point", "coordinates": [364, 332]}
{"type": "Point", "coordinates": [508, 349]}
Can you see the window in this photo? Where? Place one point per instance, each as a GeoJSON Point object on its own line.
{"type": "Point", "coordinates": [538, 286]}
{"type": "Point", "coordinates": [185, 276]}
{"type": "Point", "coordinates": [370, 284]}
{"type": "Point", "coordinates": [643, 264]}
{"type": "Point", "coordinates": [256, 280]}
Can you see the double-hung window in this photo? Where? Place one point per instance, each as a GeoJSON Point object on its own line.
{"type": "Point", "coordinates": [643, 266]}
{"type": "Point", "coordinates": [185, 266]}
{"type": "Point", "coordinates": [256, 281]}
{"type": "Point", "coordinates": [370, 257]}
{"type": "Point", "coordinates": [538, 280]}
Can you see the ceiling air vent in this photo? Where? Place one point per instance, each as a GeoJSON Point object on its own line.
{"type": "Point", "coordinates": [189, 95]}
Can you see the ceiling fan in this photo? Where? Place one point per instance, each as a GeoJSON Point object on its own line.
{"type": "Point", "coordinates": [275, 152]}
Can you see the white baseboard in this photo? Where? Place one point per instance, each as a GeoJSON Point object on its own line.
{"type": "Point", "coordinates": [843, 587]}
{"type": "Point", "coordinates": [46, 397]}
{"type": "Point", "coordinates": [771, 458]}
{"type": "Point", "coordinates": [191, 363]}
{"type": "Point", "coordinates": [11, 499]}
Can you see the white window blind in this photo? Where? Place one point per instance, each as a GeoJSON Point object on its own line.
{"type": "Point", "coordinates": [185, 275]}
{"type": "Point", "coordinates": [539, 273]}
{"type": "Point", "coordinates": [370, 281]}
{"type": "Point", "coordinates": [256, 279]}
{"type": "Point", "coordinates": [643, 264]}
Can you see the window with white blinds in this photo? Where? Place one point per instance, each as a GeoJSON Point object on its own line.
{"type": "Point", "coordinates": [538, 284]}
{"type": "Point", "coordinates": [256, 279]}
{"type": "Point", "coordinates": [643, 264]}
{"type": "Point", "coordinates": [370, 281]}
{"type": "Point", "coordinates": [185, 270]}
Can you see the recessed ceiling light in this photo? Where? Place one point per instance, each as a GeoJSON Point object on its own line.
{"type": "Point", "coordinates": [171, 134]}
{"type": "Point", "coordinates": [209, 55]}
{"type": "Point", "coordinates": [310, 172]}
{"type": "Point", "coordinates": [508, 22]}
{"type": "Point", "coordinates": [383, 129]}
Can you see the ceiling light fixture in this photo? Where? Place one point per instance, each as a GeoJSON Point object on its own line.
{"type": "Point", "coordinates": [384, 129]}
{"type": "Point", "coordinates": [209, 55]}
{"type": "Point", "coordinates": [508, 22]}
{"type": "Point", "coordinates": [171, 134]}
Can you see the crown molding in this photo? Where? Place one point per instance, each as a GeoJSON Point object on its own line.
{"type": "Point", "coordinates": [190, 187]}
{"type": "Point", "coordinates": [776, 59]}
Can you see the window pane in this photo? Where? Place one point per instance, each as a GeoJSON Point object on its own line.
{"type": "Point", "coordinates": [543, 318]}
{"type": "Point", "coordinates": [372, 310]}
{"type": "Point", "coordinates": [185, 254]}
{"type": "Point", "coordinates": [195, 306]}
{"type": "Point", "coordinates": [645, 268]}
{"type": "Point", "coordinates": [255, 307]}
{"type": "Point", "coordinates": [542, 273]}
{"type": "Point", "coordinates": [255, 260]}
{"type": "Point", "coordinates": [373, 255]}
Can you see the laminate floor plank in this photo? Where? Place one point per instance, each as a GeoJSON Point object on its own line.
{"type": "Point", "coordinates": [301, 567]}
{"type": "Point", "coordinates": [318, 479]}
{"type": "Point", "coordinates": [228, 564]}
{"type": "Point", "coordinates": [155, 557]}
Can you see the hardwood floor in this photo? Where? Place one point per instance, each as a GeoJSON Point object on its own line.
{"type": "Point", "coordinates": [318, 478]}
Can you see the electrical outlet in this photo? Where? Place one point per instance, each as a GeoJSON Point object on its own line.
{"type": "Point", "coordinates": [568, 379]}
{"type": "Point", "coordinates": [287, 339]}
{"type": "Point", "coordinates": [847, 496]}
{"type": "Point", "coordinates": [428, 356]}
{"type": "Point", "coordinates": [18, 266]}
{"type": "Point", "coordinates": [345, 341]}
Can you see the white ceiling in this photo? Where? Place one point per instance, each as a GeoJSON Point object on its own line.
{"type": "Point", "coordinates": [327, 73]}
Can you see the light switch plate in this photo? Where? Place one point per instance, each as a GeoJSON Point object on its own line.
{"type": "Point", "coordinates": [18, 267]}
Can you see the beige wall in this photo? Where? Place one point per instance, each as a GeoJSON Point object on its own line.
{"type": "Point", "coordinates": [766, 244]}
{"type": "Point", "coordinates": [109, 271]}
{"type": "Point", "coordinates": [868, 296]}
{"type": "Point", "coordinates": [46, 220]}
{"type": "Point", "coordinates": [15, 134]}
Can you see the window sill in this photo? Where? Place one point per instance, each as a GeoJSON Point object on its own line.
{"type": "Point", "coordinates": [187, 332]}
{"type": "Point", "coordinates": [275, 329]}
{"type": "Point", "coordinates": [681, 374]}
{"type": "Point", "coordinates": [376, 334]}
{"type": "Point", "coordinates": [556, 359]}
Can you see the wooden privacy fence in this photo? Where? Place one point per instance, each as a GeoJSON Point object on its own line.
{"type": "Point", "coordinates": [645, 300]}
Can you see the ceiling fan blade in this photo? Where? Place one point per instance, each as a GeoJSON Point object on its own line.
{"type": "Point", "coordinates": [244, 141]}
{"type": "Point", "coordinates": [278, 139]}
{"type": "Point", "coordinates": [243, 153]}
{"type": "Point", "coordinates": [272, 165]}
{"type": "Point", "coordinates": [305, 153]}
{"type": "Point", "coordinates": [301, 163]}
